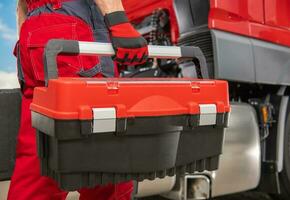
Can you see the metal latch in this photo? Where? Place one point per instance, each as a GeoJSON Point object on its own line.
{"type": "Point", "coordinates": [104, 120]}
{"type": "Point", "coordinates": [208, 114]}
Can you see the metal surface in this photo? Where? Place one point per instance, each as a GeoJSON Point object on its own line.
{"type": "Point", "coordinates": [155, 187]}
{"type": "Point", "coordinates": [240, 162]}
{"type": "Point", "coordinates": [208, 114]}
{"type": "Point", "coordinates": [104, 120]}
{"type": "Point", "coordinates": [104, 49]}
{"type": "Point", "coordinates": [154, 51]}
{"type": "Point", "coordinates": [191, 187]}
{"type": "Point", "coordinates": [92, 47]}
{"type": "Point", "coordinates": [198, 187]}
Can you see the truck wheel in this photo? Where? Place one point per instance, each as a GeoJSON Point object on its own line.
{"type": "Point", "coordinates": [284, 176]}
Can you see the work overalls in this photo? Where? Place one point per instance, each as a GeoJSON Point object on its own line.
{"type": "Point", "coordinates": [56, 19]}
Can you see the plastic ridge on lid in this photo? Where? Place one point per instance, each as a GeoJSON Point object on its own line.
{"type": "Point", "coordinates": [105, 119]}
{"type": "Point", "coordinates": [136, 98]}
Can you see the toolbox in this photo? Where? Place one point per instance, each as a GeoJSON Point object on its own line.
{"type": "Point", "coordinates": [99, 131]}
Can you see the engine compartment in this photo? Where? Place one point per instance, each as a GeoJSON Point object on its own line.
{"type": "Point", "coordinates": [157, 28]}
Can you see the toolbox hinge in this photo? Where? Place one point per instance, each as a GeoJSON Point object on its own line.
{"type": "Point", "coordinates": [113, 86]}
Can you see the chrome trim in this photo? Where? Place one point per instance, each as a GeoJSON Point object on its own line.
{"type": "Point", "coordinates": [240, 164]}
{"type": "Point", "coordinates": [155, 187]}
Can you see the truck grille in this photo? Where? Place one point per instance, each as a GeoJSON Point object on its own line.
{"type": "Point", "coordinates": [201, 39]}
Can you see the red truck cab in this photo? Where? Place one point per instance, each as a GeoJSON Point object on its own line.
{"type": "Point", "coordinates": [246, 42]}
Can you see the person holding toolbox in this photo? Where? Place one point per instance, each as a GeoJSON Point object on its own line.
{"type": "Point", "coordinates": [83, 20]}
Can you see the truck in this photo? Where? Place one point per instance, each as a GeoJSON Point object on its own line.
{"type": "Point", "coordinates": [245, 42]}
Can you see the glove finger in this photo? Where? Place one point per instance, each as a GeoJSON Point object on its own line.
{"type": "Point", "coordinates": [123, 60]}
{"type": "Point", "coordinates": [126, 58]}
{"type": "Point", "coordinates": [131, 56]}
{"type": "Point", "coordinates": [144, 58]}
{"type": "Point", "coordinates": [140, 57]}
{"type": "Point", "coordinates": [135, 60]}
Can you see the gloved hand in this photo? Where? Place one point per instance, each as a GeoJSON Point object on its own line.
{"type": "Point", "coordinates": [130, 47]}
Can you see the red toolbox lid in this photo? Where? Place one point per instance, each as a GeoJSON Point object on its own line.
{"type": "Point", "coordinates": [74, 98]}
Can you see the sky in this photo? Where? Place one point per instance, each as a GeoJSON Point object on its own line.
{"type": "Point", "coordinates": [8, 35]}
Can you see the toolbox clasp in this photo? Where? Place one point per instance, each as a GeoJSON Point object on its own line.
{"type": "Point", "coordinates": [104, 120]}
{"type": "Point", "coordinates": [113, 87]}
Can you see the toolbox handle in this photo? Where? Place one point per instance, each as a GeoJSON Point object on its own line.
{"type": "Point", "coordinates": [58, 46]}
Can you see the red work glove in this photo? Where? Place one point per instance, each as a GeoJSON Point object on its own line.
{"type": "Point", "coordinates": [130, 47]}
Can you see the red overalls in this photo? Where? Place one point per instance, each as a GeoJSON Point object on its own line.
{"type": "Point", "coordinates": [47, 19]}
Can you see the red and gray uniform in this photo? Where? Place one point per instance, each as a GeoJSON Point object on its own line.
{"type": "Point", "coordinates": [51, 19]}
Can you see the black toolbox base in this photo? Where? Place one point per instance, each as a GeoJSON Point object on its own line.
{"type": "Point", "coordinates": [75, 181]}
{"type": "Point", "coordinates": [100, 159]}
{"type": "Point", "coordinates": [71, 181]}
{"type": "Point", "coordinates": [199, 143]}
